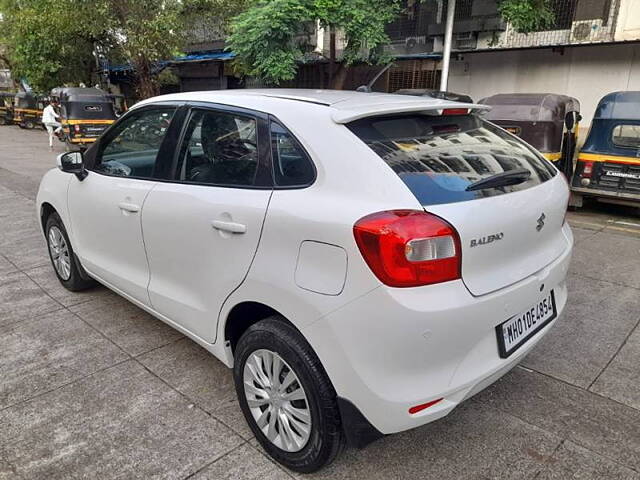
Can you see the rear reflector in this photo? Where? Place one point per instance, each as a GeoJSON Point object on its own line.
{"type": "Point", "coordinates": [424, 406]}
{"type": "Point", "coordinates": [409, 248]}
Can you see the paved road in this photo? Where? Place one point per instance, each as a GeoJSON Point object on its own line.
{"type": "Point", "coordinates": [93, 387]}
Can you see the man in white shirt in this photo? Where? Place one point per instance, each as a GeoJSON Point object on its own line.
{"type": "Point", "coordinates": [50, 120]}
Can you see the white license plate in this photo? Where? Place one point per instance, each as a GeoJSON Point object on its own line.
{"type": "Point", "coordinates": [518, 329]}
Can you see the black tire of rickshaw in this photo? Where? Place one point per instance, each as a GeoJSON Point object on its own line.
{"type": "Point", "coordinates": [29, 125]}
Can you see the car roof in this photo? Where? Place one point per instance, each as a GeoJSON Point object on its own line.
{"type": "Point", "coordinates": [343, 105]}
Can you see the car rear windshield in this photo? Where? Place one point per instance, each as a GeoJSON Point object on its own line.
{"type": "Point", "coordinates": [438, 157]}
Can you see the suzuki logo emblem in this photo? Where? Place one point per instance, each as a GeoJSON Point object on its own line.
{"type": "Point", "coordinates": [540, 224]}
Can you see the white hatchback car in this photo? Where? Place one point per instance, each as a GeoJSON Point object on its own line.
{"type": "Point", "coordinates": [364, 262]}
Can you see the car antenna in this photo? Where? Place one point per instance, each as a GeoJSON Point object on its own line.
{"type": "Point", "coordinates": [367, 88]}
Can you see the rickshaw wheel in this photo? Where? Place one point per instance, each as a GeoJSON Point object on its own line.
{"type": "Point", "coordinates": [3, 121]}
{"type": "Point", "coordinates": [29, 125]}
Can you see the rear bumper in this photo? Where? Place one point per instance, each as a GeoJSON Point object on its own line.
{"type": "Point", "coordinates": [396, 348]}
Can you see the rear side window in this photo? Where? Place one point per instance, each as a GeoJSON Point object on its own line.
{"type": "Point", "coordinates": [626, 136]}
{"type": "Point", "coordinates": [292, 166]}
{"type": "Point", "coordinates": [439, 157]}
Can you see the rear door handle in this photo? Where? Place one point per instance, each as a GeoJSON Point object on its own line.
{"type": "Point", "coordinates": [129, 207]}
{"type": "Point", "coordinates": [232, 227]}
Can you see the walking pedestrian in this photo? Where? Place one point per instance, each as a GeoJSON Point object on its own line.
{"type": "Point", "coordinates": [50, 120]}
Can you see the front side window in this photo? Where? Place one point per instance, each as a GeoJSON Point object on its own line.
{"type": "Point", "coordinates": [626, 136]}
{"type": "Point", "coordinates": [219, 148]}
{"type": "Point", "coordinates": [440, 157]}
{"type": "Point", "coordinates": [133, 151]}
{"type": "Point", "coordinates": [292, 166]}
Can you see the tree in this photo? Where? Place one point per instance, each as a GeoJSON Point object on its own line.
{"type": "Point", "coordinates": [42, 46]}
{"type": "Point", "coordinates": [51, 42]}
{"type": "Point", "coordinates": [265, 36]}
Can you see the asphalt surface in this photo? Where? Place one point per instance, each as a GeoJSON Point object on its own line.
{"type": "Point", "coordinates": [93, 387]}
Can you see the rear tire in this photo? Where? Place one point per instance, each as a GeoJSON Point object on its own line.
{"type": "Point", "coordinates": [63, 260]}
{"type": "Point", "coordinates": [29, 125]}
{"type": "Point", "coordinates": [300, 374]}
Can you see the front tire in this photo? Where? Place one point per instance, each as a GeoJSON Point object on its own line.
{"type": "Point", "coordinates": [64, 262]}
{"type": "Point", "coordinates": [286, 396]}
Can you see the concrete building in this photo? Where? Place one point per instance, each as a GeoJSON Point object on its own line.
{"type": "Point", "coordinates": [592, 49]}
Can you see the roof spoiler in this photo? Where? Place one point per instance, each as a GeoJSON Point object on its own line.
{"type": "Point", "coordinates": [346, 115]}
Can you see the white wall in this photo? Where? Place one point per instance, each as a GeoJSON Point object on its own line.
{"type": "Point", "coordinates": [587, 73]}
{"type": "Point", "coordinates": [628, 25]}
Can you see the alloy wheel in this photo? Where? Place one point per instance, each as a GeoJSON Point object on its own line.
{"type": "Point", "coordinates": [59, 251]}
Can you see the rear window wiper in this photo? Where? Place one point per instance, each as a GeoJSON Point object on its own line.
{"type": "Point", "coordinates": [510, 177]}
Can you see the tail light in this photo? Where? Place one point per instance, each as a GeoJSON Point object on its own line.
{"type": "Point", "coordinates": [76, 128]}
{"type": "Point", "coordinates": [587, 169]}
{"type": "Point", "coordinates": [456, 111]}
{"type": "Point", "coordinates": [409, 248]}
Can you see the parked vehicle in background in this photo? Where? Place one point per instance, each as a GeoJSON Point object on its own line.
{"type": "Point", "coordinates": [432, 93]}
{"type": "Point", "coordinates": [27, 110]}
{"type": "Point", "coordinates": [6, 108]}
{"type": "Point", "coordinates": [608, 166]}
{"type": "Point", "coordinates": [85, 113]}
{"type": "Point", "coordinates": [364, 262]}
{"type": "Point", "coordinates": [547, 121]}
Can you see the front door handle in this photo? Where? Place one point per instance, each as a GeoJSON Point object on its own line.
{"type": "Point", "coordinates": [232, 227]}
{"type": "Point", "coordinates": [129, 207]}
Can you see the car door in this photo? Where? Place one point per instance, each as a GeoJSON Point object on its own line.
{"type": "Point", "coordinates": [106, 206]}
{"type": "Point", "coordinates": [201, 230]}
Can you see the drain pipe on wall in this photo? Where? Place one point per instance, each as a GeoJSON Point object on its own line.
{"type": "Point", "coordinates": [448, 34]}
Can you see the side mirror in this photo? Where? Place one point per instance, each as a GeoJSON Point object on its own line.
{"type": "Point", "coordinates": [72, 162]}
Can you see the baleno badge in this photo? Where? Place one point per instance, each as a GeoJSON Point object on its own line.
{"type": "Point", "coordinates": [488, 239]}
{"type": "Point", "coordinates": [540, 224]}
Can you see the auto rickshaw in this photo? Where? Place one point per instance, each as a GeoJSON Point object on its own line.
{"type": "Point", "coordinates": [608, 165]}
{"type": "Point", "coordinates": [6, 108]}
{"type": "Point", "coordinates": [546, 121]}
{"type": "Point", "coordinates": [27, 110]}
{"type": "Point", "coordinates": [85, 113]}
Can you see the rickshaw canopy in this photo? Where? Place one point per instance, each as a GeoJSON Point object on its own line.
{"type": "Point", "coordinates": [530, 107]}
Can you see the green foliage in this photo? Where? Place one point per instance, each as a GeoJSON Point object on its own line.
{"type": "Point", "coordinates": [51, 42]}
{"type": "Point", "coordinates": [266, 40]}
{"type": "Point", "coordinates": [45, 48]}
{"type": "Point", "coordinates": [265, 37]}
{"type": "Point", "coordinates": [527, 15]}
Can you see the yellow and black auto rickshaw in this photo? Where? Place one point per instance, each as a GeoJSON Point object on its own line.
{"type": "Point", "coordinates": [6, 108]}
{"type": "Point", "coordinates": [27, 110]}
{"type": "Point", "coordinates": [608, 166]}
{"type": "Point", "coordinates": [85, 113]}
{"type": "Point", "coordinates": [546, 121]}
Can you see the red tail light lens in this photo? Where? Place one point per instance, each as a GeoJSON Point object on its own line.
{"type": "Point", "coordinates": [455, 111]}
{"type": "Point", "coordinates": [76, 128]}
{"type": "Point", "coordinates": [409, 248]}
{"type": "Point", "coordinates": [587, 170]}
